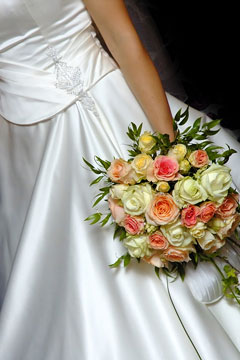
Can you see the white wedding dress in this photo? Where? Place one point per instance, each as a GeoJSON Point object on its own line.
{"type": "Point", "coordinates": [64, 98]}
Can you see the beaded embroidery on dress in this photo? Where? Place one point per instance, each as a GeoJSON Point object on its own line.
{"type": "Point", "coordinates": [69, 78]}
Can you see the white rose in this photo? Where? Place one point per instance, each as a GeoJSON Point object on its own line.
{"type": "Point", "coordinates": [177, 234]}
{"type": "Point", "coordinates": [216, 180]}
{"type": "Point", "coordinates": [117, 191]}
{"type": "Point", "coordinates": [198, 230]}
{"type": "Point", "coordinates": [188, 191]}
{"type": "Point", "coordinates": [137, 245]}
{"type": "Point", "coordinates": [136, 199]}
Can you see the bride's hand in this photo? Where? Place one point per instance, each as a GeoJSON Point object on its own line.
{"type": "Point", "coordinates": [120, 36]}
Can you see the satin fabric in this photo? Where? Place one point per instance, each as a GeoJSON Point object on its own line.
{"type": "Point", "coordinates": [59, 298]}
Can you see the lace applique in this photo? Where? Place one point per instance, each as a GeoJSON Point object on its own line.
{"type": "Point", "coordinates": [69, 78]}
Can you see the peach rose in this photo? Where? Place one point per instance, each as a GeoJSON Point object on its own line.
{"type": "Point", "coordinates": [161, 210]}
{"type": "Point", "coordinates": [158, 241]}
{"type": "Point", "coordinates": [176, 254]}
{"type": "Point", "coordinates": [230, 225]}
{"type": "Point", "coordinates": [207, 211]}
{"type": "Point", "coordinates": [117, 211]}
{"type": "Point", "coordinates": [163, 168]}
{"type": "Point", "coordinates": [228, 207]}
{"type": "Point", "coordinates": [155, 260]}
{"type": "Point", "coordinates": [118, 170]}
{"type": "Point", "coordinates": [198, 158]}
{"type": "Point", "coordinates": [189, 215]}
{"type": "Point", "coordinates": [133, 224]}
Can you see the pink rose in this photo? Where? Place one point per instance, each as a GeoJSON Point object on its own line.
{"type": "Point", "coordinates": [161, 210]}
{"type": "Point", "coordinates": [118, 170]}
{"type": "Point", "coordinates": [189, 215]}
{"type": "Point", "coordinates": [133, 224]}
{"type": "Point", "coordinates": [228, 207]}
{"type": "Point", "coordinates": [165, 168]}
{"type": "Point", "coordinates": [158, 241]}
{"type": "Point", "coordinates": [198, 158]}
{"type": "Point", "coordinates": [174, 254]}
{"type": "Point", "coordinates": [207, 211]}
{"type": "Point", "coordinates": [117, 211]}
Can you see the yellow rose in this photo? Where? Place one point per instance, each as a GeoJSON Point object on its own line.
{"type": "Point", "coordinates": [178, 151]}
{"type": "Point", "coordinates": [146, 142]}
{"type": "Point", "coordinates": [141, 163]}
{"type": "Point", "coordinates": [163, 186]}
{"type": "Point", "coordinates": [184, 166]}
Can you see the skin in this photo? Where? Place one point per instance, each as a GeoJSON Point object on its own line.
{"type": "Point", "coordinates": [121, 38]}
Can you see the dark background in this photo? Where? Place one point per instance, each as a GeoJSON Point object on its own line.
{"type": "Point", "coordinates": [204, 43]}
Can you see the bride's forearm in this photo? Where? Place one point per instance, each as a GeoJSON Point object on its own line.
{"type": "Point", "coordinates": [116, 27]}
{"type": "Point", "coordinates": [143, 79]}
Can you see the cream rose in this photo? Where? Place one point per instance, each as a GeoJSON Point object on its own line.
{"type": "Point", "coordinates": [178, 151]}
{"type": "Point", "coordinates": [198, 231]}
{"type": "Point", "coordinates": [188, 191]}
{"type": "Point", "coordinates": [141, 163]}
{"type": "Point", "coordinates": [137, 245]}
{"type": "Point", "coordinates": [217, 244]}
{"type": "Point", "coordinates": [207, 241]}
{"type": "Point", "coordinates": [230, 225]}
{"type": "Point", "coordinates": [216, 180]}
{"type": "Point", "coordinates": [215, 224]}
{"type": "Point", "coordinates": [117, 191]}
{"type": "Point", "coordinates": [146, 142]}
{"type": "Point", "coordinates": [177, 234]}
{"type": "Point", "coordinates": [137, 198]}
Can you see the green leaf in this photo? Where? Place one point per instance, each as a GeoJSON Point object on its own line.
{"type": "Point", "coordinates": [184, 116]}
{"type": "Point", "coordinates": [96, 180]}
{"type": "Point", "coordinates": [139, 130]}
{"type": "Point", "coordinates": [122, 235]}
{"type": "Point", "coordinates": [95, 217]}
{"type": "Point", "coordinates": [100, 197]}
{"type": "Point", "coordinates": [177, 117]}
{"type": "Point", "coordinates": [157, 271]}
{"type": "Point", "coordinates": [211, 124]}
{"type": "Point", "coordinates": [127, 259]}
{"type": "Point", "coordinates": [96, 171]}
{"type": "Point", "coordinates": [116, 264]}
{"type": "Point", "coordinates": [105, 163]}
{"type": "Point", "coordinates": [105, 220]}
{"type": "Point", "coordinates": [212, 132]}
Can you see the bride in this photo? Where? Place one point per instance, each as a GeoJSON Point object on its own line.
{"type": "Point", "coordinates": [63, 98]}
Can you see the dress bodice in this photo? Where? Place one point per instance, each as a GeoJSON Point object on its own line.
{"type": "Point", "coordinates": [49, 57]}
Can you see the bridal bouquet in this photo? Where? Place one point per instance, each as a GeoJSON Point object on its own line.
{"type": "Point", "coordinates": [172, 202]}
